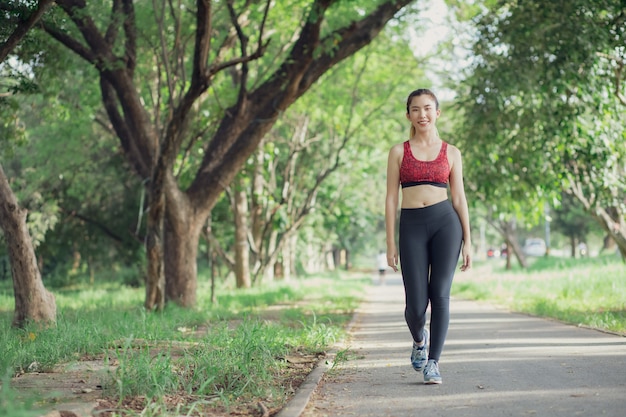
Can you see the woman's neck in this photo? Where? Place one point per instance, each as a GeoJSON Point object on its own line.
{"type": "Point", "coordinates": [427, 138]}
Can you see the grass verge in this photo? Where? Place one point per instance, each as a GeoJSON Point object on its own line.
{"type": "Point", "coordinates": [589, 291]}
{"type": "Point", "coordinates": [251, 349]}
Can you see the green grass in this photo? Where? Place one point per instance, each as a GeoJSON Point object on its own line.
{"type": "Point", "coordinates": [589, 292]}
{"type": "Point", "coordinates": [218, 355]}
{"type": "Point", "coordinates": [223, 355]}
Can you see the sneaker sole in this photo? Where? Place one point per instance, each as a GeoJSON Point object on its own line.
{"type": "Point", "coordinates": [433, 382]}
{"type": "Point", "coordinates": [419, 369]}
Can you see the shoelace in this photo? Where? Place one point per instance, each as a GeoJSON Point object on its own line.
{"type": "Point", "coordinates": [432, 368]}
{"type": "Point", "coordinates": [415, 347]}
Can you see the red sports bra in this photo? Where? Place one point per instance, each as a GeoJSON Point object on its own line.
{"type": "Point", "coordinates": [416, 172]}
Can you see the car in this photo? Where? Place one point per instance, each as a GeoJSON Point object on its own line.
{"type": "Point", "coordinates": [534, 247]}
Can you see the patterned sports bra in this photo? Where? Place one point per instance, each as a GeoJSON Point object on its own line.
{"type": "Point", "coordinates": [415, 172]}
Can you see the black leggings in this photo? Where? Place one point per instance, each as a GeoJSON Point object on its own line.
{"type": "Point", "coordinates": [430, 243]}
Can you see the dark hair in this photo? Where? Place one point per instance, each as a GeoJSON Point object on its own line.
{"type": "Point", "coordinates": [420, 92]}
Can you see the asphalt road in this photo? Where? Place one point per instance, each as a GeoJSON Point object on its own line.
{"type": "Point", "coordinates": [494, 363]}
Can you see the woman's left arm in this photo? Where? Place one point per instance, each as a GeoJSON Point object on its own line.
{"type": "Point", "coordinates": [459, 202]}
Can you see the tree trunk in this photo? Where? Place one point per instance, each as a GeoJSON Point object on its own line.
{"type": "Point", "coordinates": [242, 247]}
{"type": "Point", "coordinates": [616, 229]}
{"type": "Point", "coordinates": [336, 258]}
{"type": "Point", "coordinates": [155, 276]}
{"type": "Point", "coordinates": [271, 247]}
{"type": "Point", "coordinates": [32, 301]}
{"type": "Point", "coordinates": [211, 256]}
{"type": "Point", "coordinates": [293, 253]}
{"type": "Point", "coordinates": [510, 236]}
{"type": "Point", "coordinates": [289, 256]}
{"type": "Point", "coordinates": [257, 215]}
{"type": "Point", "coordinates": [182, 227]}
{"type": "Point", "coordinates": [180, 252]}
{"type": "Point", "coordinates": [608, 244]}
{"type": "Point", "coordinates": [611, 219]}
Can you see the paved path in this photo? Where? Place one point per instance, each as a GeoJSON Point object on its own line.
{"type": "Point", "coordinates": [494, 363]}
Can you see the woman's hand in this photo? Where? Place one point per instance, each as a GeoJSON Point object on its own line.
{"type": "Point", "coordinates": [466, 256]}
{"type": "Point", "coordinates": [392, 259]}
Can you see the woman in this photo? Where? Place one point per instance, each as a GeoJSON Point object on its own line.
{"type": "Point", "coordinates": [432, 228]}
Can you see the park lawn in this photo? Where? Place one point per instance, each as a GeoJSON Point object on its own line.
{"type": "Point", "coordinates": [587, 292]}
{"type": "Point", "coordinates": [250, 350]}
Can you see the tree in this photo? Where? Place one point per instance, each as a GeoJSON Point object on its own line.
{"type": "Point", "coordinates": [32, 301]}
{"type": "Point", "coordinates": [558, 124]}
{"type": "Point", "coordinates": [572, 221]}
{"type": "Point", "coordinates": [283, 194]}
{"type": "Point", "coordinates": [222, 65]}
{"type": "Point", "coordinates": [84, 209]}
{"type": "Point", "coordinates": [333, 131]}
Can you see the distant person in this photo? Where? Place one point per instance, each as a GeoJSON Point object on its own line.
{"type": "Point", "coordinates": [381, 260]}
{"type": "Point", "coordinates": [434, 230]}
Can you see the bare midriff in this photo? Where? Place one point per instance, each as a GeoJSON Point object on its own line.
{"type": "Point", "coordinates": [423, 196]}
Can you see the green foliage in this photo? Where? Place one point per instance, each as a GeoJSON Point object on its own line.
{"type": "Point", "coordinates": [571, 220]}
{"type": "Point", "coordinates": [14, 80]}
{"type": "Point", "coordinates": [89, 213]}
{"type": "Point", "coordinates": [11, 132]}
{"type": "Point", "coordinates": [370, 108]}
{"type": "Point", "coordinates": [342, 128]}
{"type": "Point", "coordinates": [84, 207]}
{"type": "Point", "coordinates": [540, 110]}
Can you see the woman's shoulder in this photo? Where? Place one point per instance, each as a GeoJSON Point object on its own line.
{"type": "Point", "coordinates": [454, 154]}
{"type": "Point", "coordinates": [453, 150]}
{"type": "Point", "coordinates": [398, 148]}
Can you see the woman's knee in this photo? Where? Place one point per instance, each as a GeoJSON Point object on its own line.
{"type": "Point", "coordinates": [440, 302]}
{"type": "Point", "coordinates": [415, 316]}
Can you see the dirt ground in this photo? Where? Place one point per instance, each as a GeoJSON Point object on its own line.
{"type": "Point", "coordinates": [69, 390]}
{"type": "Point", "coordinates": [76, 390]}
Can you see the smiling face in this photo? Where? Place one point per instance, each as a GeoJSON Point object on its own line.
{"type": "Point", "coordinates": [423, 111]}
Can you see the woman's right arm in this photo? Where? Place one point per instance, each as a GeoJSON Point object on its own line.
{"type": "Point", "coordinates": [391, 203]}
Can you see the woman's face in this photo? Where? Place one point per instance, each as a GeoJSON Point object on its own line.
{"type": "Point", "coordinates": [423, 112]}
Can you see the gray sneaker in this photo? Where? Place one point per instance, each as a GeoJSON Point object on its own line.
{"type": "Point", "coordinates": [419, 355]}
{"type": "Point", "coordinates": [431, 373]}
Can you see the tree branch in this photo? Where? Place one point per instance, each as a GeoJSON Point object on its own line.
{"type": "Point", "coordinates": [199, 80]}
{"type": "Point", "coordinates": [122, 130]}
{"type": "Point", "coordinates": [130, 31]}
{"type": "Point", "coordinates": [166, 63]}
{"type": "Point", "coordinates": [215, 244]}
{"type": "Point", "coordinates": [112, 31]}
{"type": "Point", "coordinates": [102, 52]}
{"type": "Point", "coordinates": [108, 232]}
{"type": "Point", "coordinates": [243, 41]}
{"type": "Point", "coordinates": [72, 44]}
{"type": "Point", "coordinates": [22, 28]}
